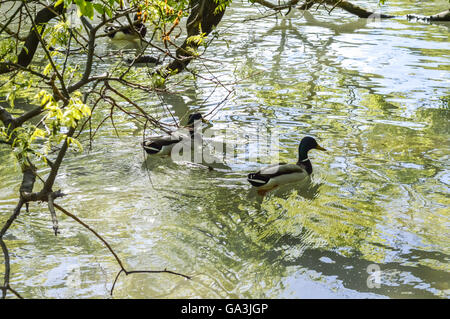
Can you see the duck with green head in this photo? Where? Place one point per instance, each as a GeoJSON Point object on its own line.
{"type": "Point", "coordinates": [162, 145]}
{"type": "Point", "coordinates": [272, 176]}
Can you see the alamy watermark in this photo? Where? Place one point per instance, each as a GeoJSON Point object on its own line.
{"type": "Point", "coordinates": [374, 279]}
{"type": "Point", "coordinates": [230, 146]}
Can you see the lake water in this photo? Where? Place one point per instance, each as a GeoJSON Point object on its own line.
{"type": "Point", "coordinates": [374, 93]}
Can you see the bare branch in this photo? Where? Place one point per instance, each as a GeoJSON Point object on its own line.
{"type": "Point", "coordinates": [51, 208]}
{"type": "Point", "coordinates": [32, 41]}
{"type": "Point", "coordinates": [119, 261]}
{"type": "Point", "coordinates": [5, 26]}
{"type": "Point", "coordinates": [5, 117]}
{"type": "Point", "coordinates": [4, 229]}
{"type": "Point", "coordinates": [203, 19]}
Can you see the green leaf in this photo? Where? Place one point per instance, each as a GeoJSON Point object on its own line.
{"type": "Point", "coordinates": [89, 10]}
{"type": "Point", "coordinates": [108, 11]}
{"type": "Point", "coordinates": [47, 69]}
{"type": "Point", "coordinates": [86, 8]}
{"type": "Point", "coordinates": [71, 140]}
{"type": "Point", "coordinates": [99, 8]}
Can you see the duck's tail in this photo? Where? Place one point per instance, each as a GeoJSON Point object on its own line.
{"type": "Point", "coordinates": [257, 180]}
{"type": "Point", "coordinates": [150, 148]}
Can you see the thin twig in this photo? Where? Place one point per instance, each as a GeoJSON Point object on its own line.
{"type": "Point", "coordinates": [51, 208]}
{"type": "Point", "coordinates": [119, 261]}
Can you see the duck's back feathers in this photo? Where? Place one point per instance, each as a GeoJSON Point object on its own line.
{"type": "Point", "coordinates": [277, 174]}
{"type": "Point", "coordinates": [280, 169]}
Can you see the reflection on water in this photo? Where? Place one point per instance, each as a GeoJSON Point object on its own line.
{"type": "Point", "coordinates": [375, 94]}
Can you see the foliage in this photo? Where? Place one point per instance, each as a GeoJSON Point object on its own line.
{"type": "Point", "coordinates": [40, 87]}
{"type": "Point", "coordinates": [223, 4]}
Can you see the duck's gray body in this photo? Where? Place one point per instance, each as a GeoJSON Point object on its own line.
{"type": "Point", "coordinates": [277, 174]}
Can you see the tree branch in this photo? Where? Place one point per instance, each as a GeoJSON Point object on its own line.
{"type": "Point", "coordinates": [5, 117]}
{"type": "Point", "coordinates": [32, 41]}
{"type": "Point", "coordinates": [5, 26]}
{"type": "Point", "coordinates": [119, 261]}
{"type": "Point", "coordinates": [57, 163]}
{"type": "Point", "coordinates": [4, 229]}
{"type": "Point", "coordinates": [345, 5]}
{"type": "Point", "coordinates": [443, 16]}
{"type": "Point", "coordinates": [51, 208]}
{"type": "Point", "coordinates": [201, 20]}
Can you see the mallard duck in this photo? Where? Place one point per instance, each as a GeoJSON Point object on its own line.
{"type": "Point", "coordinates": [275, 175]}
{"type": "Point", "coordinates": [129, 33]}
{"type": "Point", "coordinates": [162, 145]}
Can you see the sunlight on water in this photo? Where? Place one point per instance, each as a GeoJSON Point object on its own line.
{"type": "Point", "coordinates": [375, 94]}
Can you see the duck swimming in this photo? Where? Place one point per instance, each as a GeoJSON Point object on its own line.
{"type": "Point", "coordinates": [275, 175]}
{"type": "Point", "coordinates": [131, 33]}
{"type": "Point", "coordinates": [162, 145]}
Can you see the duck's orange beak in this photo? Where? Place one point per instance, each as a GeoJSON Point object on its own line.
{"type": "Point", "coordinates": [320, 148]}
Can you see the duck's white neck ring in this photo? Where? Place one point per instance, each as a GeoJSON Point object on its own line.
{"type": "Point", "coordinates": [304, 160]}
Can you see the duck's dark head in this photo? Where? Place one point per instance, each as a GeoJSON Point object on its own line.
{"type": "Point", "coordinates": [308, 143]}
{"type": "Point", "coordinates": [194, 118]}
